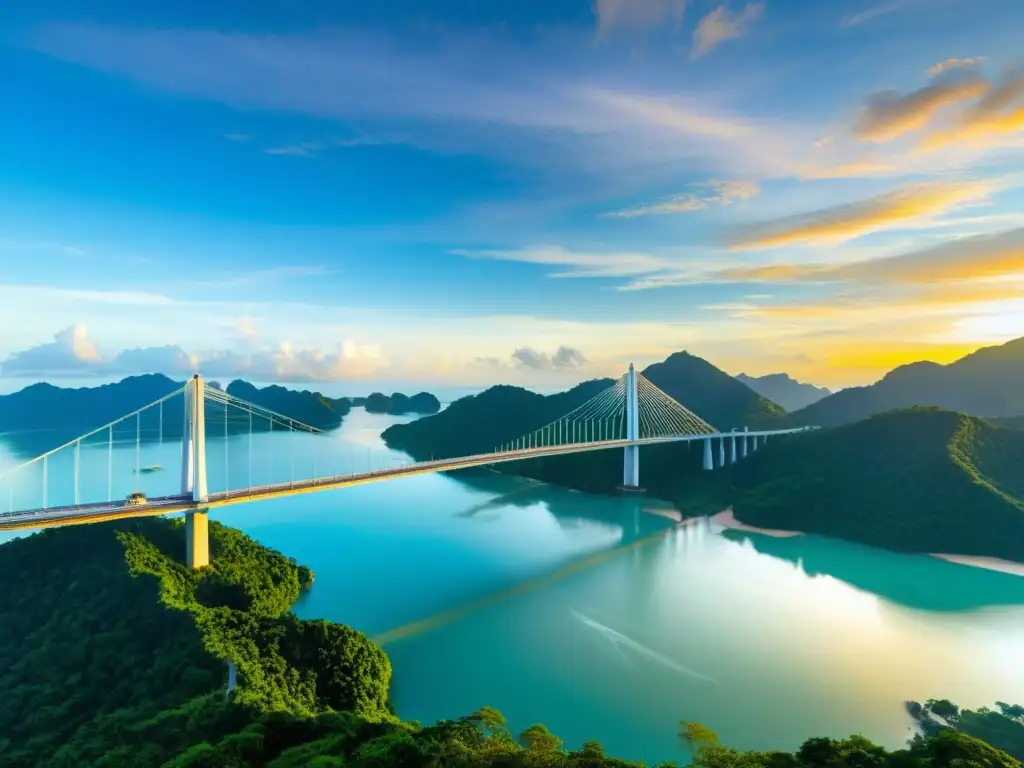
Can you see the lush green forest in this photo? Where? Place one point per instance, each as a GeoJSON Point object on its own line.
{"type": "Point", "coordinates": [921, 480]}
{"type": "Point", "coordinates": [984, 383]}
{"type": "Point", "coordinates": [114, 654]}
{"type": "Point", "coordinates": [501, 414]}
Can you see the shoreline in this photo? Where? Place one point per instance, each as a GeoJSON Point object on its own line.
{"type": "Point", "coordinates": [727, 519]}
{"type": "Point", "coordinates": [979, 561]}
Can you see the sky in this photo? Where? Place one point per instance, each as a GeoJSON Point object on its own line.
{"type": "Point", "coordinates": [467, 192]}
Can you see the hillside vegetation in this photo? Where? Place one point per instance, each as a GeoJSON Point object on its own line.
{"type": "Point", "coordinates": [501, 414]}
{"type": "Point", "coordinates": [984, 383]}
{"type": "Point", "coordinates": [921, 480]}
{"type": "Point", "coordinates": [712, 394]}
{"type": "Point", "coordinates": [113, 654]}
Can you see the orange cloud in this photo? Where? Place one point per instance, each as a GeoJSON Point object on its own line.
{"type": "Point", "coordinates": [889, 115]}
{"type": "Point", "coordinates": [981, 257]}
{"type": "Point", "coordinates": [845, 222]}
{"type": "Point", "coordinates": [996, 116]}
{"type": "Point", "coordinates": [851, 170]}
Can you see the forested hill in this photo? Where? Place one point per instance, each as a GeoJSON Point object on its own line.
{"type": "Point", "coordinates": [921, 480]}
{"type": "Point", "coordinates": [479, 423]}
{"type": "Point", "coordinates": [712, 394]}
{"type": "Point", "coordinates": [310, 408]}
{"type": "Point", "coordinates": [114, 654]}
{"type": "Point", "coordinates": [984, 383]}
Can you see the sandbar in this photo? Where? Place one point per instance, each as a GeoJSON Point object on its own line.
{"type": "Point", "coordinates": [727, 519]}
{"type": "Point", "coordinates": [988, 563]}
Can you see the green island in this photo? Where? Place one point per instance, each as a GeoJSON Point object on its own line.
{"type": "Point", "coordinates": [114, 654]}
{"type": "Point", "coordinates": [914, 480]}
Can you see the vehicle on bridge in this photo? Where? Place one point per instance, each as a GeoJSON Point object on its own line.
{"type": "Point", "coordinates": [136, 499]}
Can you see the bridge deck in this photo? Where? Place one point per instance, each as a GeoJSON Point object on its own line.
{"type": "Point", "coordinates": [118, 510]}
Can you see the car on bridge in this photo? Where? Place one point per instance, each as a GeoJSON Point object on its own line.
{"type": "Point", "coordinates": [136, 499]}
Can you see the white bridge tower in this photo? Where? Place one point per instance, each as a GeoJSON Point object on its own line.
{"type": "Point", "coordinates": [631, 459]}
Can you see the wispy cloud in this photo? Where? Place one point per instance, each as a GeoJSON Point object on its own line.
{"type": "Point", "coordinates": [949, 65]}
{"type": "Point", "coordinates": [900, 208]}
{"type": "Point", "coordinates": [480, 93]}
{"type": "Point", "coordinates": [983, 257]}
{"type": "Point", "coordinates": [636, 15]}
{"type": "Point", "coordinates": [997, 116]}
{"type": "Point", "coordinates": [720, 25]}
{"type": "Point", "coordinates": [563, 357]}
{"type": "Point", "coordinates": [579, 264]}
{"type": "Point", "coordinates": [293, 150]}
{"type": "Point", "coordinates": [889, 115]}
{"type": "Point", "coordinates": [714, 192]}
{"type": "Point", "coordinates": [873, 12]}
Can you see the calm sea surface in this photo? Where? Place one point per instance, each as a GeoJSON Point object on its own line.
{"type": "Point", "coordinates": [593, 616]}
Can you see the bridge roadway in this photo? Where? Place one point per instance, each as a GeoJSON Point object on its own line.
{"type": "Point", "coordinates": [51, 517]}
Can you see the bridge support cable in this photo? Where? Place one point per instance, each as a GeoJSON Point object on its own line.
{"type": "Point", "coordinates": [592, 421]}
{"type": "Point", "coordinates": [242, 418]}
{"type": "Point", "coordinates": [663, 416]}
{"type": "Point", "coordinates": [71, 475]}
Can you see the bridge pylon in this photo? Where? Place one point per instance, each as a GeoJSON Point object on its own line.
{"type": "Point", "coordinates": [193, 474]}
{"type": "Point", "coordinates": [631, 453]}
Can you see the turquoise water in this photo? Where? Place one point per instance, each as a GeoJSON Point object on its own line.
{"type": "Point", "coordinates": [605, 621]}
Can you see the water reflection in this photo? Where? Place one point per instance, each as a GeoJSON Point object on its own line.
{"type": "Point", "coordinates": [915, 581]}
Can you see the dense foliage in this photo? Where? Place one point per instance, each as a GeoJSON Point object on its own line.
{"type": "Point", "coordinates": [984, 383]}
{"type": "Point", "coordinates": [920, 480]}
{"type": "Point", "coordinates": [478, 423]}
{"type": "Point", "coordinates": [1003, 729]}
{"type": "Point", "coordinates": [114, 648]}
{"type": "Point", "coordinates": [712, 394]}
{"type": "Point", "coordinates": [113, 655]}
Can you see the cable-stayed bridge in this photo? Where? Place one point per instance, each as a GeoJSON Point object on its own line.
{"type": "Point", "coordinates": [68, 485]}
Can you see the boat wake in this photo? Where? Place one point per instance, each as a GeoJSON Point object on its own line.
{"type": "Point", "coordinates": [620, 641]}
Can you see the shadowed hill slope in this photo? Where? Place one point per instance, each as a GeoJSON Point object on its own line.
{"type": "Point", "coordinates": [712, 394]}
{"type": "Point", "coordinates": [922, 480]}
{"type": "Point", "coordinates": [984, 383]}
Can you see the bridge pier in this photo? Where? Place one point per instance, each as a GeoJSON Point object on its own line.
{"type": "Point", "coordinates": [193, 475]}
{"type": "Point", "coordinates": [709, 462]}
{"type": "Point", "coordinates": [197, 539]}
{"type": "Point", "coordinates": [732, 450]}
{"type": "Point", "coordinates": [721, 452]}
{"type": "Point", "coordinates": [744, 443]}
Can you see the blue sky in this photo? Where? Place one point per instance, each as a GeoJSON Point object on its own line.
{"type": "Point", "coordinates": [451, 193]}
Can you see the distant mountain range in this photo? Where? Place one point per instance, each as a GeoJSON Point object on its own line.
{"type": "Point", "coordinates": [783, 389]}
{"type": "Point", "coordinates": [42, 416]}
{"type": "Point", "coordinates": [987, 383]}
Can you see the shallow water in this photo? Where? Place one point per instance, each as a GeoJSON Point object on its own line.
{"type": "Point", "coordinates": [606, 622]}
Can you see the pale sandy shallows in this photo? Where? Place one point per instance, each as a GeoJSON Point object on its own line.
{"type": "Point", "coordinates": [989, 563]}
{"type": "Point", "coordinates": [726, 519]}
